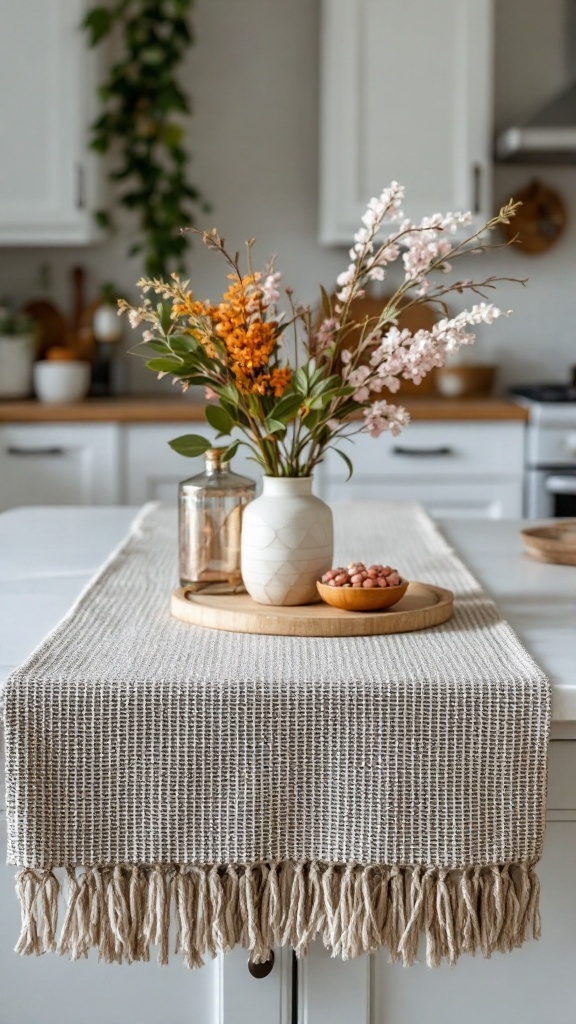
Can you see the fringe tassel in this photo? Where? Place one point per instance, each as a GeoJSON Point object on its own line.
{"type": "Point", "coordinates": [125, 910]}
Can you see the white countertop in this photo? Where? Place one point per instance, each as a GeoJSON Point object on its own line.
{"type": "Point", "coordinates": [48, 554]}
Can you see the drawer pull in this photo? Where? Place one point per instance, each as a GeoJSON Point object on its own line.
{"type": "Point", "coordinates": [560, 484]}
{"type": "Point", "coordinates": [261, 970]}
{"type": "Point", "coordinates": [426, 452]}
{"type": "Point", "coordinates": [13, 450]}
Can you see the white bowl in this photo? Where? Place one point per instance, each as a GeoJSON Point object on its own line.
{"type": "Point", "coordinates": [61, 380]}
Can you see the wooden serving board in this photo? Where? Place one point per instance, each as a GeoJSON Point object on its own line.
{"type": "Point", "coordinates": [555, 542]}
{"type": "Point", "coordinates": [423, 605]}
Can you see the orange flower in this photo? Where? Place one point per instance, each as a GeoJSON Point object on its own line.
{"type": "Point", "coordinates": [187, 305]}
{"type": "Point", "coordinates": [249, 340]}
{"type": "Point", "coordinates": [280, 379]}
{"type": "Point", "coordinates": [274, 383]}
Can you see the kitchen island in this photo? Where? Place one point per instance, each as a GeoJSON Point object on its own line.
{"type": "Point", "coordinates": [48, 555]}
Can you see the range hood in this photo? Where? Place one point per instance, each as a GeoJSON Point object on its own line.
{"type": "Point", "coordinates": [550, 137]}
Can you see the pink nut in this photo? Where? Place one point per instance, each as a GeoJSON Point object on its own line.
{"type": "Point", "coordinates": [368, 583]}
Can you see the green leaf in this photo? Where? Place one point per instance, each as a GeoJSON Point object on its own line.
{"type": "Point", "coordinates": [299, 381]}
{"type": "Point", "coordinates": [230, 451]}
{"type": "Point", "coordinates": [190, 445]}
{"type": "Point", "coordinates": [312, 419]}
{"type": "Point", "coordinates": [274, 426]}
{"type": "Point", "coordinates": [163, 310]}
{"type": "Point", "coordinates": [287, 408]}
{"type": "Point", "coordinates": [103, 219]}
{"type": "Point", "coordinates": [183, 345]}
{"type": "Point", "coordinates": [157, 346]}
{"type": "Point", "coordinates": [230, 392]}
{"type": "Point", "coordinates": [219, 419]}
{"type": "Point", "coordinates": [320, 384]}
{"type": "Point", "coordinates": [164, 365]}
{"type": "Point", "coordinates": [326, 304]}
{"type": "Point", "coordinates": [346, 460]}
{"type": "Point", "coordinates": [98, 23]}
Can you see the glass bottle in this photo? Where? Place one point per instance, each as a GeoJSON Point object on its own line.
{"type": "Point", "coordinates": [210, 507]}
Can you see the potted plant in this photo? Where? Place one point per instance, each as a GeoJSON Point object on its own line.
{"type": "Point", "coordinates": [17, 353]}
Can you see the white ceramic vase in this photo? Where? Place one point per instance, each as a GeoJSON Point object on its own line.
{"type": "Point", "coordinates": [287, 542]}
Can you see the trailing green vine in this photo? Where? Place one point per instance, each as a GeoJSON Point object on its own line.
{"type": "Point", "coordinates": [141, 124]}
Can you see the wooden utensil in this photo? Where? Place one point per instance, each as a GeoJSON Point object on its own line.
{"type": "Point", "coordinates": [53, 328]}
{"type": "Point", "coordinates": [82, 316]}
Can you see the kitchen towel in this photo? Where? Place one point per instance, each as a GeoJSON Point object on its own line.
{"type": "Point", "coordinates": [191, 789]}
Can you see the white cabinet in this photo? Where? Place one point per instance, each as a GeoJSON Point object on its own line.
{"type": "Point", "coordinates": [534, 984]}
{"type": "Point", "coordinates": [51, 990]}
{"type": "Point", "coordinates": [453, 469]}
{"type": "Point", "coordinates": [47, 173]}
{"type": "Point", "coordinates": [59, 464]}
{"type": "Point", "coordinates": [406, 95]}
{"type": "Point", "coordinates": [152, 470]}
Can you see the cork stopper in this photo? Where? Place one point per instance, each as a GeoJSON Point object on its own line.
{"type": "Point", "coordinates": [214, 459]}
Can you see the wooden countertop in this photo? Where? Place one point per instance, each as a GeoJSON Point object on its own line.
{"type": "Point", "coordinates": [166, 410]}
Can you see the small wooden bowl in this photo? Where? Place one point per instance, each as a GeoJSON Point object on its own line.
{"type": "Point", "coordinates": [464, 381]}
{"type": "Point", "coordinates": [358, 599]}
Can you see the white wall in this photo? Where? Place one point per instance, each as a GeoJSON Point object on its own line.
{"type": "Point", "coordinates": [253, 76]}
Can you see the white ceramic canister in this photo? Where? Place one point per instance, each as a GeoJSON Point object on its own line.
{"type": "Point", "coordinates": [287, 542]}
{"type": "Point", "coordinates": [61, 380]}
{"type": "Point", "coordinates": [17, 352]}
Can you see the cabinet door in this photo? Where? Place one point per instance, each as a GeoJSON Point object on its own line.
{"type": "Point", "coordinates": [51, 990]}
{"type": "Point", "coordinates": [406, 95]}
{"type": "Point", "coordinates": [47, 179]}
{"type": "Point", "coordinates": [533, 984]}
{"type": "Point", "coordinates": [468, 498]}
{"type": "Point", "coordinates": [152, 470]}
{"type": "Point", "coordinates": [59, 464]}
{"type": "Point", "coordinates": [453, 469]}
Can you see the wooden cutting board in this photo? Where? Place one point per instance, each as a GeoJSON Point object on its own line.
{"type": "Point", "coordinates": [555, 542]}
{"type": "Point", "coordinates": [420, 317]}
{"type": "Point", "coordinates": [422, 606]}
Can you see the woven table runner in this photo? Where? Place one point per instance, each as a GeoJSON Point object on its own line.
{"type": "Point", "coordinates": [190, 789]}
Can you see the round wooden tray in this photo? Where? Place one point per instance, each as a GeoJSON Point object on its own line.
{"type": "Point", "coordinates": [555, 542]}
{"type": "Point", "coordinates": [423, 605]}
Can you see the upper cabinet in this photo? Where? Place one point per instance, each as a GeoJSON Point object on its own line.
{"type": "Point", "coordinates": [406, 95]}
{"type": "Point", "coordinates": [47, 179]}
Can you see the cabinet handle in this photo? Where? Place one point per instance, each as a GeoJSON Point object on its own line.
{"type": "Point", "coordinates": [261, 970]}
{"type": "Point", "coordinates": [477, 188]}
{"type": "Point", "coordinates": [12, 450]}
{"type": "Point", "coordinates": [80, 196]}
{"type": "Point", "coordinates": [560, 484]}
{"type": "Point", "coordinates": [426, 452]}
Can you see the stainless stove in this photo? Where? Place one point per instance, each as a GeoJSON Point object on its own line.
{"type": "Point", "coordinates": [550, 459]}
